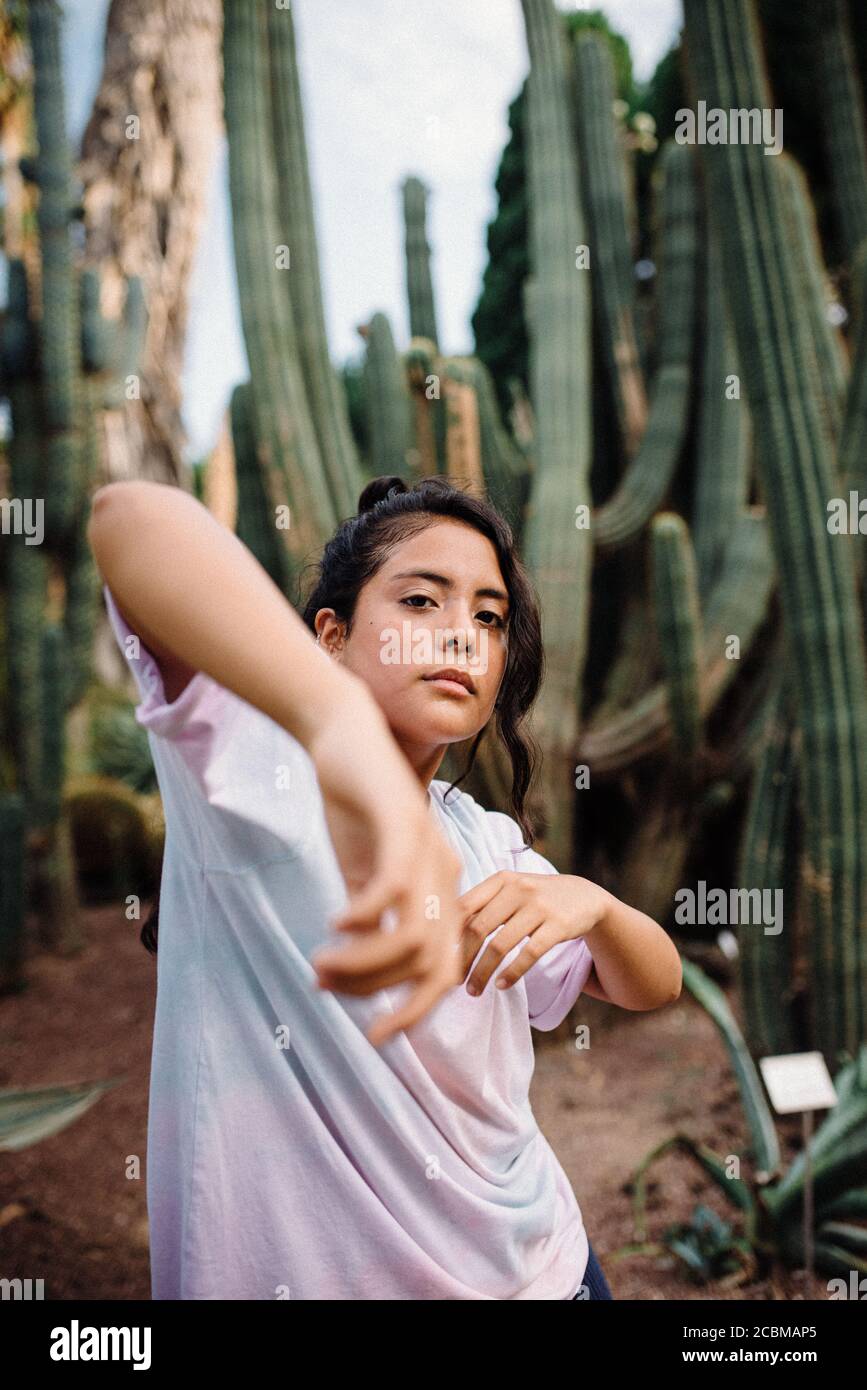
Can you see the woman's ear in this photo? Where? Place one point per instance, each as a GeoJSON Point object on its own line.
{"type": "Point", "coordinates": [331, 632]}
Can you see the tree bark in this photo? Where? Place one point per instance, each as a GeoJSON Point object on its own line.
{"type": "Point", "coordinates": [146, 160]}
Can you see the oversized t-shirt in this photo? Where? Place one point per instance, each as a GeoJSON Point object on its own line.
{"type": "Point", "coordinates": [288, 1157]}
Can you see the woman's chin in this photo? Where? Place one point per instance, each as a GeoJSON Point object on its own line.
{"type": "Point", "coordinates": [437, 718]}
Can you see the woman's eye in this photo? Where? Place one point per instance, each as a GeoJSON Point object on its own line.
{"type": "Point", "coordinates": [416, 600]}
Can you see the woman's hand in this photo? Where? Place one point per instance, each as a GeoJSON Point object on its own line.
{"type": "Point", "coordinates": [549, 908]}
{"type": "Point", "coordinates": [394, 859]}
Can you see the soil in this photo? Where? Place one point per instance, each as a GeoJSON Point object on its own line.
{"type": "Point", "coordinates": [73, 1210]}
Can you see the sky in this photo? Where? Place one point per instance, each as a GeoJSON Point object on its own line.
{"type": "Point", "coordinates": [390, 88]}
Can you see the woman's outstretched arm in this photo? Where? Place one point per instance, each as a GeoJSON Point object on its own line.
{"type": "Point", "coordinates": [201, 601]}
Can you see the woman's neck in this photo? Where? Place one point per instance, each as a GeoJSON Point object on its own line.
{"type": "Point", "coordinates": [424, 762]}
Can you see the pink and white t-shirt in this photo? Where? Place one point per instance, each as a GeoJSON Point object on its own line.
{"type": "Point", "coordinates": [287, 1156]}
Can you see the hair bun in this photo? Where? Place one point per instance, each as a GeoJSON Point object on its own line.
{"type": "Point", "coordinates": [379, 488]}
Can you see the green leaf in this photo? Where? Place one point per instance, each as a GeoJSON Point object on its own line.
{"type": "Point", "coordinates": [28, 1116]}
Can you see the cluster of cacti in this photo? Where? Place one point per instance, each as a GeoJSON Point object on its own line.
{"type": "Point", "coordinates": [746, 365]}
{"type": "Point", "coordinates": [734, 413]}
{"type": "Point", "coordinates": [796, 460]}
{"type": "Point", "coordinates": [58, 368]}
{"type": "Point", "coordinates": [670, 482]}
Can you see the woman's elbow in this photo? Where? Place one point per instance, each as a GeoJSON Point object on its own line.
{"type": "Point", "coordinates": [117, 511]}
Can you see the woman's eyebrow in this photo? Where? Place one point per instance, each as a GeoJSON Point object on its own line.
{"type": "Point", "coordinates": [448, 583]}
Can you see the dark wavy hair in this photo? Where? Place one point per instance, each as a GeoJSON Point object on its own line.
{"type": "Point", "coordinates": [388, 513]}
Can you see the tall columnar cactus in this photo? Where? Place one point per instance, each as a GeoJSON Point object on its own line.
{"type": "Point", "coordinates": [823, 620]}
{"type": "Point", "coordinates": [558, 548]}
{"type": "Point", "coordinates": [253, 524]}
{"type": "Point", "coordinates": [766, 959]}
{"type": "Point", "coordinates": [830, 353]}
{"type": "Point", "coordinates": [423, 378]}
{"type": "Point", "coordinates": [647, 479]}
{"type": "Point", "coordinates": [724, 436]}
{"type": "Point", "coordinates": [300, 500]}
{"type": "Point", "coordinates": [388, 402]}
{"type": "Point", "coordinates": [57, 372]}
{"type": "Point", "coordinates": [59, 327]}
{"type": "Point", "coordinates": [841, 110]}
{"type": "Point", "coordinates": [737, 605]}
{"type": "Point", "coordinates": [506, 473]}
{"type": "Point", "coordinates": [12, 890]}
{"type": "Point", "coordinates": [608, 220]}
{"type": "Point", "coordinates": [678, 620]}
{"type": "Point", "coordinates": [851, 461]}
{"type": "Point", "coordinates": [419, 285]}
{"type": "Point", "coordinates": [324, 393]}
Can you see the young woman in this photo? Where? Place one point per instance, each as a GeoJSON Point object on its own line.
{"type": "Point", "coordinates": [351, 952]}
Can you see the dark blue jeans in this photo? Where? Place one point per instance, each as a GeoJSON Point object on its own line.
{"type": "Point", "coordinates": [594, 1280]}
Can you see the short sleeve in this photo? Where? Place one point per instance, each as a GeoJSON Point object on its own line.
{"type": "Point", "coordinates": [190, 720]}
{"type": "Point", "coordinates": [238, 789]}
{"type": "Point", "coordinates": [556, 980]}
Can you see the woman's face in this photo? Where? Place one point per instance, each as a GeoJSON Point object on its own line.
{"type": "Point", "coordinates": [438, 603]}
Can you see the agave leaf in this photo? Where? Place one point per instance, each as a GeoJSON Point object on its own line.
{"type": "Point", "coordinates": [28, 1116]}
{"type": "Point", "coordinates": [842, 1233]}
{"type": "Point", "coordinates": [836, 1259]}
{"type": "Point", "coordinates": [688, 1252]}
{"type": "Point", "coordinates": [766, 1147]}
{"type": "Point", "coordinates": [852, 1203]}
{"type": "Point", "coordinates": [735, 1189]}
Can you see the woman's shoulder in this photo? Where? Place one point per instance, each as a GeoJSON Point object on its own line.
{"type": "Point", "coordinates": [499, 829]}
{"type": "Point", "coordinates": [501, 832]}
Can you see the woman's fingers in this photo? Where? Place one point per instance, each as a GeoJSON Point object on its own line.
{"type": "Point", "coordinates": [545, 939]}
{"type": "Point", "coordinates": [522, 924]}
{"type": "Point", "coordinates": [476, 928]}
{"type": "Point", "coordinates": [384, 890]}
{"type": "Point", "coordinates": [407, 870]}
{"type": "Point", "coordinates": [365, 960]}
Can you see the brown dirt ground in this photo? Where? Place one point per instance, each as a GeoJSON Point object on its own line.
{"type": "Point", "coordinates": [70, 1214]}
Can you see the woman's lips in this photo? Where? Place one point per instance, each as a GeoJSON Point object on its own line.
{"type": "Point", "coordinates": [449, 686]}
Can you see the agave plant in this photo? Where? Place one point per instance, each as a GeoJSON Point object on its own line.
{"type": "Point", "coordinates": [771, 1201]}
